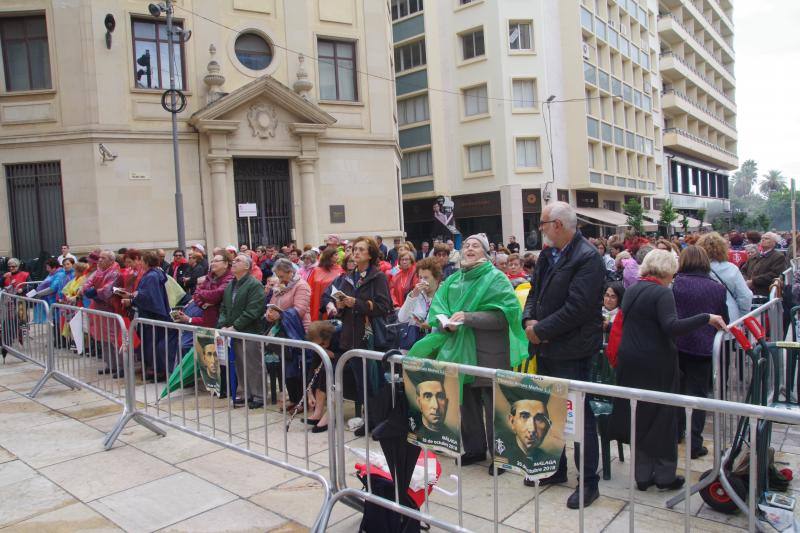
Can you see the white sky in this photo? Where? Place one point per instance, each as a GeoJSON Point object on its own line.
{"type": "Point", "coordinates": [767, 68]}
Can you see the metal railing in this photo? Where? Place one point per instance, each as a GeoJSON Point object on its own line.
{"type": "Point", "coordinates": [26, 330]}
{"type": "Point", "coordinates": [252, 430]}
{"type": "Point", "coordinates": [720, 408]}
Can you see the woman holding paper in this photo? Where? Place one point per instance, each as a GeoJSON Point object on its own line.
{"type": "Point", "coordinates": [478, 321]}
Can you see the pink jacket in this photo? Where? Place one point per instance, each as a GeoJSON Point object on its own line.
{"type": "Point", "coordinates": [298, 296]}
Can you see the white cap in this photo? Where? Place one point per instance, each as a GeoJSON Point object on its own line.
{"type": "Point", "coordinates": [231, 247]}
{"type": "Point", "coordinates": [199, 247]}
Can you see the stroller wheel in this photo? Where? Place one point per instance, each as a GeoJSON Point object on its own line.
{"type": "Point", "coordinates": [717, 497]}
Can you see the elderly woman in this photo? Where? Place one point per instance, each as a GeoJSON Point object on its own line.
{"type": "Point", "coordinates": [484, 328]}
{"type": "Point", "coordinates": [414, 311]}
{"type": "Point", "coordinates": [696, 292]}
{"type": "Point", "coordinates": [309, 260]}
{"type": "Point", "coordinates": [608, 261]}
{"type": "Point", "coordinates": [404, 279]}
{"type": "Point", "coordinates": [739, 297]}
{"type": "Point", "coordinates": [648, 359]}
{"type": "Point", "coordinates": [203, 310]}
{"type": "Point", "coordinates": [15, 278]}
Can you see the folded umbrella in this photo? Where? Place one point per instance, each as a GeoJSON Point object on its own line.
{"type": "Point", "coordinates": [182, 376]}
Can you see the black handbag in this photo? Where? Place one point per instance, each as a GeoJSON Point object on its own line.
{"type": "Point", "coordinates": [385, 334]}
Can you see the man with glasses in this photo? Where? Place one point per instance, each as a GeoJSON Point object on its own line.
{"type": "Point", "coordinates": [762, 269]}
{"type": "Point", "coordinates": [242, 310]}
{"type": "Point", "coordinates": [563, 322]}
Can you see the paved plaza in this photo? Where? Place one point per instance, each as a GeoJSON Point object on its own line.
{"type": "Point", "coordinates": [55, 476]}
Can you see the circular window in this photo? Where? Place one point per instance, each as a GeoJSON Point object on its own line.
{"type": "Point", "coordinates": [253, 51]}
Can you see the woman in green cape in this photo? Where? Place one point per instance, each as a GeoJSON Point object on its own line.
{"type": "Point", "coordinates": [484, 329]}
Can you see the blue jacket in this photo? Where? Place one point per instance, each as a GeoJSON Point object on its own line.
{"type": "Point", "coordinates": [151, 296]}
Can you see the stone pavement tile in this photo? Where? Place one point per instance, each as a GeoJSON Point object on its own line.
{"type": "Point", "coordinates": [22, 413]}
{"type": "Point", "coordinates": [554, 515]}
{"type": "Point", "coordinates": [90, 410]}
{"type": "Point", "coordinates": [296, 437]}
{"type": "Point", "coordinates": [256, 418]}
{"type": "Point", "coordinates": [75, 517]}
{"type": "Point", "coordinates": [53, 443]}
{"type": "Point", "coordinates": [175, 447]}
{"type": "Point", "coordinates": [239, 515]}
{"type": "Point", "coordinates": [470, 521]}
{"type": "Point", "coordinates": [661, 520]}
{"type": "Point", "coordinates": [61, 397]}
{"type": "Point", "coordinates": [14, 472]}
{"type": "Point", "coordinates": [132, 433]}
{"type": "Point", "coordinates": [11, 380]}
{"type": "Point", "coordinates": [6, 456]}
{"type": "Point", "coordinates": [6, 394]}
{"type": "Point", "coordinates": [103, 473]}
{"type": "Point", "coordinates": [289, 527]}
{"type": "Point", "coordinates": [162, 502]}
{"type": "Point", "coordinates": [29, 498]}
{"type": "Point", "coordinates": [619, 487]}
{"type": "Point", "coordinates": [237, 473]}
{"type": "Point", "coordinates": [738, 520]}
{"type": "Point", "coordinates": [300, 500]}
{"type": "Point", "coordinates": [348, 525]}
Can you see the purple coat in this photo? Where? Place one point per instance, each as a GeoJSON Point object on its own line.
{"type": "Point", "coordinates": [695, 294]}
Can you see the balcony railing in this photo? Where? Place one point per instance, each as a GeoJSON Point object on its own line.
{"type": "Point", "coordinates": [700, 140]}
{"type": "Point", "coordinates": [710, 23]}
{"type": "Point", "coordinates": [698, 73]}
{"type": "Point", "coordinates": [694, 103]}
{"type": "Point", "coordinates": [696, 40]}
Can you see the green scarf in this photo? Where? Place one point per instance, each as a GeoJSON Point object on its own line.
{"type": "Point", "coordinates": [483, 288]}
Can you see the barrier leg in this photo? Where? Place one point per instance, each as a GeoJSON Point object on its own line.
{"type": "Point", "coordinates": [114, 434]}
{"type": "Point", "coordinates": [50, 374]}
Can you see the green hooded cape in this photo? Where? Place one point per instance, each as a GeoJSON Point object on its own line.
{"type": "Point", "coordinates": [483, 288]}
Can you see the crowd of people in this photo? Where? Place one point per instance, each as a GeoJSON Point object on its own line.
{"type": "Point", "coordinates": [656, 302]}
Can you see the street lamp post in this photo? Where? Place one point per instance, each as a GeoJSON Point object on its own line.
{"type": "Point", "coordinates": [174, 109]}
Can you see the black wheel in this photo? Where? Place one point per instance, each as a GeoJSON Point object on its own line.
{"type": "Point", "coordinates": [717, 497]}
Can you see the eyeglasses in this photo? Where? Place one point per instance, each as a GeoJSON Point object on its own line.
{"type": "Point", "coordinates": [543, 222]}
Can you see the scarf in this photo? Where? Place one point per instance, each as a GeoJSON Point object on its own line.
{"type": "Point", "coordinates": [480, 288]}
{"type": "Point", "coordinates": [283, 289]}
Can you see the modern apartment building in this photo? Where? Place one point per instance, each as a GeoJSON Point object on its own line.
{"type": "Point", "coordinates": [86, 145]}
{"type": "Point", "coordinates": [697, 59]}
{"type": "Point", "coordinates": [505, 105]}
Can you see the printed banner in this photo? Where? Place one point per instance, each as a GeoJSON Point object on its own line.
{"type": "Point", "coordinates": [530, 414]}
{"type": "Point", "coordinates": [208, 344]}
{"type": "Point", "coordinates": [434, 400]}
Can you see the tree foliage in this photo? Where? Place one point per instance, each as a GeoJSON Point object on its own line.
{"type": "Point", "coordinates": [771, 208]}
{"type": "Point", "coordinates": [668, 216]}
{"type": "Point", "coordinates": [745, 178]}
{"type": "Point", "coordinates": [773, 181]}
{"type": "Point", "coordinates": [635, 214]}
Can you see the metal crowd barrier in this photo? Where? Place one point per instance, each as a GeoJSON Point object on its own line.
{"type": "Point", "coordinates": [282, 438]}
{"type": "Point", "coordinates": [732, 372]}
{"type": "Point", "coordinates": [635, 396]}
{"type": "Point", "coordinates": [26, 331]}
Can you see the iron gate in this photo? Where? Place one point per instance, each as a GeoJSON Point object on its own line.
{"type": "Point", "coordinates": [264, 182]}
{"type": "Point", "coordinates": [36, 208]}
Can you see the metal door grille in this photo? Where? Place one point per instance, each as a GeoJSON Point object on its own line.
{"type": "Point", "coordinates": [36, 207]}
{"type": "Point", "coordinates": [264, 182]}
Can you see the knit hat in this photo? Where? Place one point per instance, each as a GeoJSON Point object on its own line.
{"type": "Point", "coordinates": [481, 238]}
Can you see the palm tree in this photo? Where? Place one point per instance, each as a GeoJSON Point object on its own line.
{"type": "Point", "coordinates": [773, 181]}
{"type": "Point", "coordinates": [745, 178]}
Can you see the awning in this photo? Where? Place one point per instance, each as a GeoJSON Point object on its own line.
{"type": "Point", "coordinates": [608, 218]}
{"type": "Point", "coordinates": [655, 216]}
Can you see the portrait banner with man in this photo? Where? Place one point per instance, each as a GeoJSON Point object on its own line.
{"type": "Point", "coordinates": [209, 347]}
{"type": "Point", "coordinates": [530, 415]}
{"type": "Point", "coordinates": [434, 398]}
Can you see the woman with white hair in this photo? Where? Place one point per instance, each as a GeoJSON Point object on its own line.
{"type": "Point", "coordinates": [484, 328]}
{"type": "Point", "coordinates": [15, 278]}
{"type": "Point", "coordinates": [648, 359]}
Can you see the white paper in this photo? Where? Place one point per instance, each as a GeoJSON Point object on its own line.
{"type": "Point", "coordinates": [445, 321]}
{"type": "Point", "coordinates": [76, 327]}
{"type": "Point", "coordinates": [336, 294]}
{"type": "Point", "coordinates": [31, 293]}
{"type": "Point", "coordinates": [574, 412]}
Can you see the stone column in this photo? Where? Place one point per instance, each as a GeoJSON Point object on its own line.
{"type": "Point", "coordinates": [220, 203]}
{"type": "Point", "coordinates": [511, 209]}
{"type": "Point", "coordinates": [308, 200]}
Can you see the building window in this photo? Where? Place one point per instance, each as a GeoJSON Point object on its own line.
{"type": "Point", "coordinates": [403, 8]}
{"type": "Point", "coordinates": [253, 51]}
{"type": "Point", "coordinates": [472, 44]}
{"type": "Point", "coordinates": [151, 54]}
{"type": "Point", "coordinates": [479, 157]}
{"type": "Point", "coordinates": [413, 110]}
{"type": "Point", "coordinates": [416, 164]}
{"type": "Point", "coordinates": [409, 56]}
{"type": "Point", "coordinates": [26, 56]}
{"type": "Point", "coordinates": [520, 36]}
{"type": "Point", "coordinates": [337, 71]}
{"type": "Point", "coordinates": [528, 155]}
{"type": "Point", "coordinates": [476, 101]}
{"type": "Point", "coordinates": [524, 94]}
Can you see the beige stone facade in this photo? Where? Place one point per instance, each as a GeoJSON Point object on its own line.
{"type": "Point", "coordinates": [340, 147]}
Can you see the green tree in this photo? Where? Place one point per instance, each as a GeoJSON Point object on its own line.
{"type": "Point", "coordinates": [778, 210]}
{"type": "Point", "coordinates": [762, 221]}
{"type": "Point", "coordinates": [668, 216]}
{"type": "Point", "coordinates": [773, 181]}
{"type": "Point", "coordinates": [745, 178]}
{"type": "Point", "coordinates": [685, 224]}
{"type": "Point", "coordinates": [701, 215]}
{"type": "Point", "coordinates": [635, 214]}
